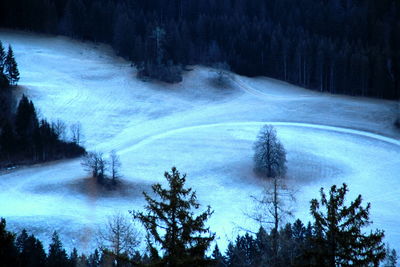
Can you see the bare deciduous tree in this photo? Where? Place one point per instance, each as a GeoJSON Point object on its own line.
{"type": "Point", "coordinates": [114, 164]}
{"type": "Point", "coordinates": [95, 163]}
{"type": "Point", "coordinates": [118, 237]}
{"type": "Point", "coordinates": [272, 207]}
{"type": "Point", "coordinates": [60, 129]}
{"type": "Point", "coordinates": [76, 133]}
{"type": "Point", "coordinates": [269, 154]}
{"type": "Point", "coordinates": [274, 204]}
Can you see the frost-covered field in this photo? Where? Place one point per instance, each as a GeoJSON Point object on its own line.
{"type": "Point", "coordinates": [205, 131]}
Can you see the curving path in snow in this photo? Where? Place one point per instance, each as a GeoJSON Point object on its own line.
{"type": "Point", "coordinates": [164, 135]}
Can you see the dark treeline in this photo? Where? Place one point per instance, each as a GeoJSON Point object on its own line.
{"type": "Point", "coordinates": [335, 238]}
{"type": "Point", "coordinates": [346, 46]}
{"type": "Point", "coordinates": [25, 139]}
{"type": "Point", "coordinates": [297, 247]}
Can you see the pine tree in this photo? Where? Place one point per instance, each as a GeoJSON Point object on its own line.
{"type": "Point", "coordinates": [11, 67]}
{"type": "Point", "coordinates": [172, 224]}
{"type": "Point", "coordinates": [26, 124]}
{"type": "Point", "coordinates": [391, 257]}
{"type": "Point", "coordinates": [74, 258]}
{"type": "Point", "coordinates": [219, 259]}
{"type": "Point", "coordinates": [57, 255]}
{"type": "Point", "coordinates": [31, 252]}
{"type": "Point", "coordinates": [4, 83]}
{"type": "Point", "coordinates": [338, 231]}
{"type": "Point", "coordinates": [2, 58]}
{"type": "Point", "coordinates": [8, 250]}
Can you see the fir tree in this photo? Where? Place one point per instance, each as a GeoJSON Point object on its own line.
{"type": "Point", "coordinates": [57, 255]}
{"type": "Point", "coordinates": [391, 257]}
{"type": "Point", "coordinates": [219, 259]}
{"type": "Point", "coordinates": [74, 258]}
{"type": "Point", "coordinates": [31, 252]}
{"type": "Point", "coordinates": [26, 123]}
{"type": "Point", "coordinates": [2, 58]}
{"type": "Point", "coordinates": [171, 223]}
{"type": "Point", "coordinates": [11, 67]}
{"type": "Point", "coordinates": [339, 237]}
{"type": "Point", "coordinates": [8, 250]}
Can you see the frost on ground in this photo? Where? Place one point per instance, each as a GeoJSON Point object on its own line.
{"type": "Point", "coordinates": [206, 132]}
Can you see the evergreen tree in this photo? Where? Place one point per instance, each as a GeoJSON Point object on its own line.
{"type": "Point", "coordinates": [171, 223]}
{"type": "Point", "coordinates": [339, 238]}
{"type": "Point", "coordinates": [74, 258]}
{"type": "Point", "coordinates": [31, 252]}
{"type": "Point", "coordinates": [8, 250]}
{"type": "Point", "coordinates": [391, 257]}
{"type": "Point", "coordinates": [26, 126]}
{"type": "Point", "coordinates": [2, 58]}
{"type": "Point", "coordinates": [11, 67]}
{"type": "Point", "coordinates": [219, 259]}
{"type": "Point", "coordinates": [57, 256]}
{"type": "Point", "coordinates": [94, 259]}
{"type": "Point", "coordinates": [26, 121]}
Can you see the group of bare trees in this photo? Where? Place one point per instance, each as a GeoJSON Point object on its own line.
{"type": "Point", "coordinates": [98, 165]}
{"type": "Point", "coordinates": [75, 131]}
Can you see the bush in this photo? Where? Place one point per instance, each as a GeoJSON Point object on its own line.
{"type": "Point", "coordinates": [222, 74]}
{"type": "Point", "coordinates": [166, 73]}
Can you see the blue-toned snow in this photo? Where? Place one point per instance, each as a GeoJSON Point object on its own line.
{"type": "Point", "coordinates": [206, 132]}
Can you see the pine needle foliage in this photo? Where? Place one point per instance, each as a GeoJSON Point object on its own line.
{"type": "Point", "coordinates": [172, 225]}
{"type": "Point", "coordinates": [339, 236]}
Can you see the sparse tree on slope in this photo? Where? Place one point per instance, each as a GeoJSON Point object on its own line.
{"type": "Point", "coordinates": [76, 133]}
{"type": "Point", "coordinates": [171, 223]}
{"type": "Point", "coordinates": [11, 67]}
{"type": "Point", "coordinates": [339, 237]}
{"type": "Point", "coordinates": [269, 154]}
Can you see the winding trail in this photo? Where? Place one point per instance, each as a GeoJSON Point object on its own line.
{"type": "Point", "coordinates": [155, 137]}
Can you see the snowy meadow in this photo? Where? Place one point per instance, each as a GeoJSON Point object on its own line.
{"type": "Point", "coordinates": [205, 131]}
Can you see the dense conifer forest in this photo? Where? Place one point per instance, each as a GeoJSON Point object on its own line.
{"type": "Point", "coordinates": [347, 46]}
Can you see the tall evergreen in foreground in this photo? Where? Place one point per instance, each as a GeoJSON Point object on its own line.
{"type": "Point", "coordinates": [339, 236]}
{"type": "Point", "coordinates": [171, 224]}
